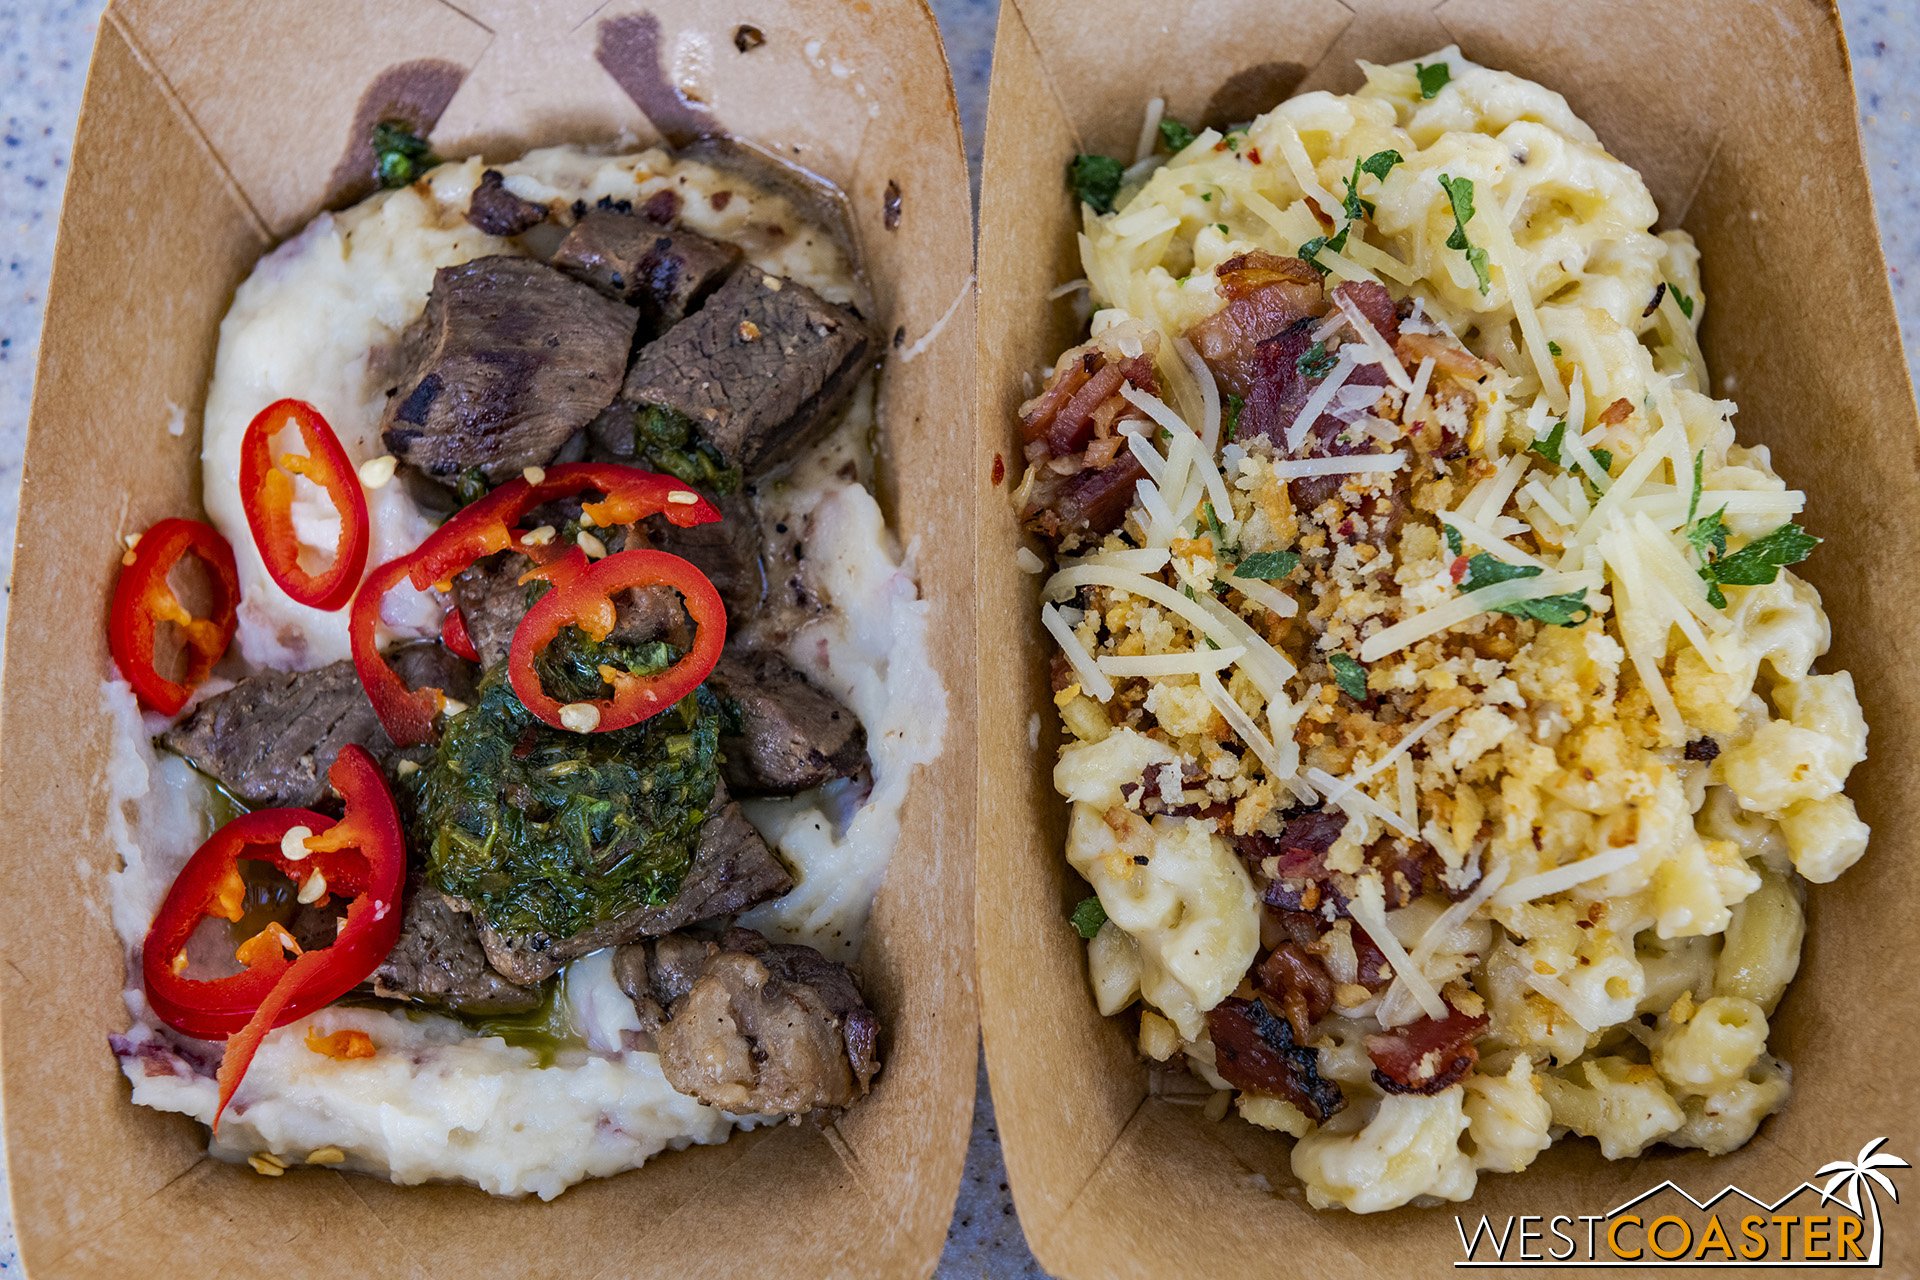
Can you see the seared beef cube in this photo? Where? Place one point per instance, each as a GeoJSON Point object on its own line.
{"type": "Point", "coordinates": [438, 961]}
{"type": "Point", "coordinates": [666, 272]}
{"type": "Point", "coordinates": [499, 212]}
{"type": "Point", "coordinates": [792, 735]}
{"type": "Point", "coordinates": [758, 369]}
{"type": "Point", "coordinates": [492, 600]}
{"type": "Point", "coordinates": [510, 359]}
{"type": "Point", "coordinates": [271, 738]}
{"type": "Point", "coordinates": [747, 1025]}
{"type": "Point", "coordinates": [732, 870]}
{"type": "Point", "coordinates": [728, 552]}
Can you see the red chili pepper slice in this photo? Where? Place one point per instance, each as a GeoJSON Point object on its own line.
{"type": "Point", "coordinates": [453, 634]}
{"type": "Point", "coordinates": [481, 529]}
{"type": "Point", "coordinates": [490, 525]}
{"type": "Point", "coordinates": [363, 859]}
{"type": "Point", "coordinates": [582, 596]}
{"type": "Point", "coordinates": [143, 599]}
{"type": "Point", "coordinates": [266, 492]}
{"type": "Point", "coordinates": [406, 714]}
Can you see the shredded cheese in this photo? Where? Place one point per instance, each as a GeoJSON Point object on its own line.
{"type": "Point", "coordinates": [1091, 680]}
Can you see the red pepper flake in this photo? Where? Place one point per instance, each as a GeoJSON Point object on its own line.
{"type": "Point", "coordinates": [341, 1045]}
{"type": "Point", "coordinates": [1253, 155]}
{"type": "Point", "coordinates": [1459, 568]}
{"type": "Point", "coordinates": [999, 469]}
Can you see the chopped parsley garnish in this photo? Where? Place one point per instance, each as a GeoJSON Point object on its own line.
{"type": "Point", "coordinates": [1221, 227]}
{"type": "Point", "coordinates": [1565, 610]}
{"type": "Point", "coordinates": [1232, 141]}
{"type": "Point", "coordinates": [1268, 566]}
{"type": "Point", "coordinates": [1176, 137]}
{"type": "Point", "coordinates": [1455, 543]}
{"type": "Point", "coordinates": [1379, 164]}
{"type": "Point", "coordinates": [1693, 502]}
{"type": "Point", "coordinates": [1708, 535]}
{"type": "Point", "coordinates": [1088, 917]}
{"type": "Point", "coordinates": [1311, 249]}
{"type": "Point", "coordinates": [1757, 563]}
{"type": "Point", "coordinates": [1681, 300]}
{"type": "Point", "coordinates": [1234, 405]}
{"type": "Point", "coordinates": [1460, 196]}
{"type": "Point", "coordinates": [1553, 348]}
{"type": "Point", "coordinates": [1349, 675]}
{"type": "Point", "coordinates": [1096, 180]}
{"type": "Point", "coordinates": [1315, 362]}
{"type": "Point", "coordinates": [399, 154]}
{"type": "Point", "coordinates": [1216, 532]}
{"type": "Point", "coordinates": [1206, 197]}
{"type": "Point", "coordinates": [1549, 445]}
{"type": "Point", "coordinates": [1432, 78]}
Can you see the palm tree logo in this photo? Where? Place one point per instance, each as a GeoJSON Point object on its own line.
{"type": "Point", "coordinates": [1862, 1174]}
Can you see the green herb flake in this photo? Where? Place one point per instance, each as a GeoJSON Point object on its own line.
{"type": "Point", "coordinates": [399, 154]}
{"type": "Point", "coordinates": [672, 443]}
{"type": "Point", "coordinates": [1095, 180]}
{"type": "Point", "coordinates": [1455, 543]}
{"type": "Point", "coordinates": [1432, 78]}
{"type": "Point", "coordinates": [1267, 566]}
{"type": "Point", "coordinates": [1379, 164]}
{"type": "Point", "coordinates": [1760, 561]}
{"type": "Point", "coordinates": [1693, 502]}
{"type": "Point", "coordinates": [1349, 675]}
{"type": "Point", "coordinates": [1484, 570]}
{"type": "Point", "coordinates": [1315, 362]}
{"type": "Point", "coordinates": [1681, 300]}
{"type": "Point", "coordinates": [1206, 197]}
{"type": "Point", "coordinates": [1309, 252]}
{"type": "Point", "coordinates": [1549, 445]}
{"type": "Point", "coordinates": [1708, 536]}
{"type": "Point", "coordinates": [1553, 348]}
{"type": "Point", "coordinates": [1234, 405]}
{"type": "Point", "coordinates": [1216, 532]}
{"type": "Point", "coordinates": [1088, 917]}
{"type": "Point", "coordinates": [1602, 458]}
{"type": "Point", "coordinates": [1174, 136]}
{"type": "Point", "coordinates": [1460, 196]}
{"type": "Point", "coordinates": [1221, 227]}
{"type": "Point", "coordinates": [1566, 610]}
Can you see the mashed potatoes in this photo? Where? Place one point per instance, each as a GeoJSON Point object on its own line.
{"type": "Point", "coordinates": [318, 320]}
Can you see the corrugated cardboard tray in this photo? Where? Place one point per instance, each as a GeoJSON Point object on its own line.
{"type": "Point", "coordinates": [211, 130]}
{"type": "Point", "coordinates": [1741, 117]}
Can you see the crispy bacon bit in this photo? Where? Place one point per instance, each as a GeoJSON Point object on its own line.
{"type": "Point", "coordinates": [1266, 296]}
{"type": "Point", "coordinates": [1426, 1055]}
{"type": "Point", "coordinates": [1255, 1049]}
{"type": "Point", "coordinates": [1702, 750]}
{"type": "Point", "coordinates": [1298, 981]}
{"type": "Point", "coordinates": [1616, 413]}
{"type": "Point", "coordinates": [1071, 426]}
{"type": "Point", "coordinates": [1294, 864]}
{"type": "Point", "coordinates": [1370, 962]}
{"type": "Point", "coordinates": [1081, 476]}
{"type": "Point", "coordinates": [1653, 303]}
{"type": "Point", "coordinates": [1449, 357]}
{"type": "Point", "coordinates": [1371, 299]}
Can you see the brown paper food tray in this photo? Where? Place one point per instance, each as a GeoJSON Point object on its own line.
{"type": "Point", "coordinates": [1741, 117]}
{"type": "Point", "coordinates": [211, 129]}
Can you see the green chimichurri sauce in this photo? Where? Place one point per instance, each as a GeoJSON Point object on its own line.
{"type": "Point", "coordinates": [549, 831]}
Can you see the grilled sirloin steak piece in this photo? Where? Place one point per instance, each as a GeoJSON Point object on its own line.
{"type": "Point", "coordinates": [499, 212]}
{"type": "Point", "coordinates": [492, 600]}
{"type": "Point", "coordinates": [758, 370]}
{"type": "Point", "coordinates": [272, 737]}
{"type": "Point", "coordinates": [732, 870]}
{"type": "Point", "coordinates": [729, 552]}
{"type": "Point", "coordinates": [666, 272]}
{"type": "Point", "coordinates": [752, 1026]}
{"type": "Point", "coordinates": [792, 735]}
{"type": "Point", "coordinates": [438, 961]}
{"type": "Point", "coordinates": [510, 359]}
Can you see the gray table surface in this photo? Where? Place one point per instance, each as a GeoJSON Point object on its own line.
{"type": "Point", "coordinates": [44, 45]}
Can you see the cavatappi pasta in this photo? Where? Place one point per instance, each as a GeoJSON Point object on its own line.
{"type": "Point", "coordinates": [1443, 736]}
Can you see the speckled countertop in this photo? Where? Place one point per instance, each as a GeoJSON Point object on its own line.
{"type": "Point", "coordinates": [44, 45]}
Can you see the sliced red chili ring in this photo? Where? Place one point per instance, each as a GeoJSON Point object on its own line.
{"type": "Point", "coordinates": [582, 596]}
{"type": "Point", "coordinates": [453, 634]}
{"type": "Point", "coordinates": [143, 599]}
{"type": "Point", "coordinates": [361, 858]}
{"type": "Point", "coordinates": [406, 714]}
{"type": "Point", "coordinates": [266, 493]}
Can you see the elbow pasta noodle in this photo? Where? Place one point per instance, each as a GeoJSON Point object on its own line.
{"type": "Point", "coordinates": [1579, 822]}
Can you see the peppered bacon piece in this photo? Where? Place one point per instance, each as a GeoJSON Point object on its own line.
{"type": "Point", "coordinates": [1266, 296]}
{"type": "Point", "coordinates": [1426, 1055]}
{"type": "Point", "coordinates": [1298, 981]}
{"type": "Point", "coordinates": [1371, 299]}
{"type": "Point", "coordinates": [1080, 477]}
{"type": "Point", "coordinates": [1294, 865]}
{"type": "Point", "coordinates": [1255, 1049]}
